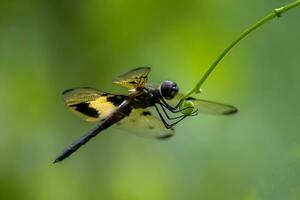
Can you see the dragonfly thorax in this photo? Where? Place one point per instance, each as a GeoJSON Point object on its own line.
{"type": "Point", "coordinates": [147, 98]}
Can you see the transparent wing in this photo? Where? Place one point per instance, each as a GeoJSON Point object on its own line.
{"type": "Point", "coordinates": [208, 107]}
{"type": "Point", "coordinates": [134, 78]}
{"type": "Point", "coordinates": [143, 123]}
{"type": "Point", "coordinates": [90, 104]}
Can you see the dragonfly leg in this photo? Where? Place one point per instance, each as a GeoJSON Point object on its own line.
{"type": "Point", "coordinates": [194, 113]}
{"type": "Point", "coordinates": [182, 118]}
{"type": "Point", "coordinates": [166, 114]}
{"type": "Point", "coordinates": [169, 107]}
{"type": "Point", "coordinates": [172, 109]}
{"type": "Point", "coordinates": [161, 117]}
{"type": "Point", "coordinates": [168, 126]}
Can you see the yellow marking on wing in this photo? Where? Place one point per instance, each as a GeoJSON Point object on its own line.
{"type": "Point", "coordinates": [90, 104]}
{"type": "Point", "coordinates": [103, 107]}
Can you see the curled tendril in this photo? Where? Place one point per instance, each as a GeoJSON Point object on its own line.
{"type": "Point", "coordinates": [275, 13]}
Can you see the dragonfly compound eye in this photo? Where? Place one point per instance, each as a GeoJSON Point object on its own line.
{"type": "Point", "coordinates": [169, 89]}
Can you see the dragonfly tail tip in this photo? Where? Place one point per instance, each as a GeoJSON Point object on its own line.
{"type": "Point", "coordinates": [56, 161]}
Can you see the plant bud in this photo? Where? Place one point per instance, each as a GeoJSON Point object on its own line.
{"type": "Point", "coordinates": [187, 107]}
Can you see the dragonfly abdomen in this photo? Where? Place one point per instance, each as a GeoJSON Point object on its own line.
{"type": "Point", "coordinates": [122, 111]}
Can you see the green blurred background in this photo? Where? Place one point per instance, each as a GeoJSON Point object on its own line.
{"type": "Point", "coordinates": [47, 46]}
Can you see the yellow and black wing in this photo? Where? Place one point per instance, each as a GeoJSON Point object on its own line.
{"type": "Point", "coordinates": [143, 123]}
{"type": "Point", "coordinates": [92, 105]}
{"type": "Point", "coordinates": [209, 107]}
{"type": "Point", "coordinates": [133, 79]}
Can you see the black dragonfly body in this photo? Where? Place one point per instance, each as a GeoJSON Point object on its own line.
{"type": "Point", "coordinates": [130, 111]}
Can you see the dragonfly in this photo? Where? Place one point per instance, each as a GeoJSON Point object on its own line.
{"type": "Point", "coordinates": [132, 111]}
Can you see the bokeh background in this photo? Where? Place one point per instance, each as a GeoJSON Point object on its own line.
{"type": "Point", "coordinates": [51, 45]}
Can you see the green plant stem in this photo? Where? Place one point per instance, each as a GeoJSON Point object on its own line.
{"type": "Point", "coordinates": [275, 13]}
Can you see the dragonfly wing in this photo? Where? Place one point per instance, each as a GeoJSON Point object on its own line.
{"type": "Point", "coordinates": [143, 123]}
{"type": "Point", "coordinates": [209, 107]}
{"type": "Point", "coordinates": [134, 78]}
{"type": "Point", "coordinates": [90, 104]}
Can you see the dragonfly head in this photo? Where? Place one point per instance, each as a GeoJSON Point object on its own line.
{"type": "Point", "coordinates": [168, 89]}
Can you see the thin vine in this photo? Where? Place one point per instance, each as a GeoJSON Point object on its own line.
{"type": "Point", "coordinates": [277, 12]}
